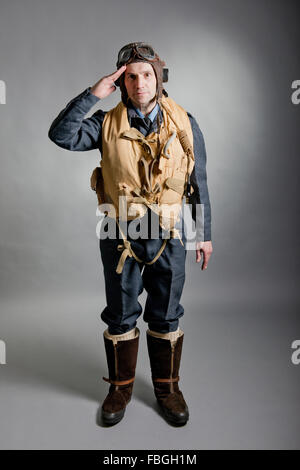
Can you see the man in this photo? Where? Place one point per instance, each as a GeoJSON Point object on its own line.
{"type": "Point", "coordinates": [153, 154]}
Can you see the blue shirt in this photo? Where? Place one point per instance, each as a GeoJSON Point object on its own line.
{"type": "Point", "coordinates": [151, 115]}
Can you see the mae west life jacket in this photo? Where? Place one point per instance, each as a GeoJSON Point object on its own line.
{"type": "Point", "coordinates": [151, 171]}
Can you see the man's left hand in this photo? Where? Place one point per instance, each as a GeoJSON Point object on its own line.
{"type": "Point", "coordinates": [206, 249]}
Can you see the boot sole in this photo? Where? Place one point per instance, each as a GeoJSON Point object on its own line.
{"type": "Point", "coordinates": [112, 418]}
{"type": "Point", "coordinates": [171, 419]}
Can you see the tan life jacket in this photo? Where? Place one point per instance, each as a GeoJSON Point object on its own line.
{"type": "Point", "coordinates": [146, 171]}
{"type": "Point", "coordinates": [149, 171]}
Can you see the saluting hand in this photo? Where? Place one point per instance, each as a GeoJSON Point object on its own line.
{"type": "Point", "coordinates": [106, 86]}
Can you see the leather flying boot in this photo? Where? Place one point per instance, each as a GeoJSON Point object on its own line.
{"type": "Point", "coordinates": [121, 354]}
{"type": "Point", "coordinates": [165, 355]}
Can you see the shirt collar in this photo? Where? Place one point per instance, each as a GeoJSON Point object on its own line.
{"type": "Point", "coordinates": [151, 115]}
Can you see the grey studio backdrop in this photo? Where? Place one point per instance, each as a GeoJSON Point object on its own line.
{"type": "Point", "coordinates": [231, 65]}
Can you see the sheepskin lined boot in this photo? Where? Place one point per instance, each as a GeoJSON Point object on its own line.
{"type": "Point", "coordinates": [165, 355]}
{"type": "Point", "coordinates": [121, 352]}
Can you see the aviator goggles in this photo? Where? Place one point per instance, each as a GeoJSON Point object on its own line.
{"type": "Point", "coordinates": [142, 50]}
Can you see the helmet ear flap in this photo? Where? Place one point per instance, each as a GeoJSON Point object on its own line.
{"type": "Point", "coordinates": [165, 76]}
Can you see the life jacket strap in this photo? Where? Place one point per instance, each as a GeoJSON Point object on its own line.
{"type": "Point", "coordinates": [128, 251]}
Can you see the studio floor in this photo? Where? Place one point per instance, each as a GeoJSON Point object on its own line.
{"type": "Point", "coordinates": [236, 375]}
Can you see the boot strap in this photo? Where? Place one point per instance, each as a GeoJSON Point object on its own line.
{"type": "Point", "coordinates": [175, 379]}
{"type": "Point", "coordinates": [119, 382]}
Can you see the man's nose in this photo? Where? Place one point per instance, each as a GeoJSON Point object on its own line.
{"type": "Point", "coordinates": [140, 82]}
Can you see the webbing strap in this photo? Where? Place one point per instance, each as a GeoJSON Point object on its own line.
{"type": "Point", "coordinates": [128, 251]}
{"type": "Point", "coordinates": [142, 199]}
{"type": "Point", "coordinates": [169, 380]}
{"type": "Point", "coordinates": [135, 134]}
{"type": "Point", "coordinates": [185, 144]}
{"type": "Point", "coordinates": [118, 382]}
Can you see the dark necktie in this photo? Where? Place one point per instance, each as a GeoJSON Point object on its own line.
{"type": "Point", "coordinates": [142, 124]}
{"type": "Point", "coordinates": [148, 122]}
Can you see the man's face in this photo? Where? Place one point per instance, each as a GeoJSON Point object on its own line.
{"type": "Point", "coordinates": [140, 82]}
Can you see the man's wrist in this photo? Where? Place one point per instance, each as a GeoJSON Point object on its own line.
{"type": "Point", "coordinates": [89, 89]}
